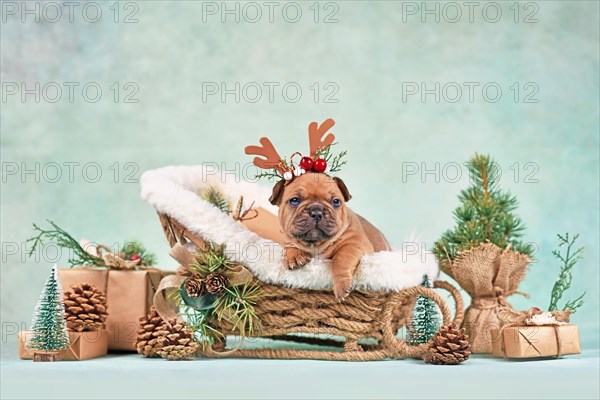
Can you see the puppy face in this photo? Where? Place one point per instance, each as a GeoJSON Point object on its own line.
{"type": "Point", "coordinates": [312, 208]}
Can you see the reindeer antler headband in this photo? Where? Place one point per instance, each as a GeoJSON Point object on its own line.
{"type": "Point", "coordinates": [320, 158]}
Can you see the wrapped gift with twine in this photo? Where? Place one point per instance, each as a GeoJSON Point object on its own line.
{"type": "Point", "coordinates": [489, 274]}
{"type": "Point", "coordinates": [536, 334]}
{"type": "Point", "coordinates": [82, 345]}
{"type": "Point", "coordinates": [129, 288]}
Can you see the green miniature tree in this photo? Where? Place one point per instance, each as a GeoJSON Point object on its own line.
{"type": "Point", "coordinates": [486, 214]}
{"type": "Point", "coordinates": [563, 283]}
{"type": "Point", "coordinates": [49, 325]}
{"type": "Point", "coordinates": [425, 320]}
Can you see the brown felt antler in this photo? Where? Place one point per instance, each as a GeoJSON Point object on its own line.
{"type": "Point", "coordinates": [316, 133]}
{"type": "Point", "coordinates": [271, 158]}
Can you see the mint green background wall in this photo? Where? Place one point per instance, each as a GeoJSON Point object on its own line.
{"type": "Point", "coordinates": [370, 54]}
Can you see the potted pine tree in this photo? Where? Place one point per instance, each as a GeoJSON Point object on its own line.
{"type": "Point", "coordinates": [484, 252]}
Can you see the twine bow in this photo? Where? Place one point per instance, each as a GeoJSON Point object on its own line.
{"type": "Point", "coordinates": [244, 215]}
{"type": "Point", "coordinates": [536, 317]}
{"type": "Point", "coordinates": [498, 299]}
{"type": "Point", "coordinates": [111, 259]}
{"type": "Point", "coordinates": [238, 274]}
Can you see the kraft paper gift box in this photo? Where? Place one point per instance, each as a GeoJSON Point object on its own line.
{"type": "Point", "coordinates": [531, 341]}
{"type": "Point", "coordinates": [129, 296]}
{"type": "Point", "coordinates": [82, 345]}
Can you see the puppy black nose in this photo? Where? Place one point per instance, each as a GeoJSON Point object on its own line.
{"type": "Point", "coordinates": [316, 215]}
{"type": "Point", "coordinates": [316, 212]}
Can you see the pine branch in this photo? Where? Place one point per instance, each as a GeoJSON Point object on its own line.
{"type": "Point", "coordinates": [272, 175]}
{"type": "Point", "coordinates": [236, 306]}
{"type": "Point", "coordinates": [485, 214]}
{"type": "Point", "coordinates": [211, 259]}
{"type": "Point", "coordinates": [215, 197]}
{"type": "Point", "coordinates": [574, 305]}
{"type": "Point", "coordinates": [135, 247]}
{"type": "Point", "coordinates": [65, 241]}
{"type": "Point", "coordinates": [335, 162]}
{"type": "Point", "coordinates": [563, 283]}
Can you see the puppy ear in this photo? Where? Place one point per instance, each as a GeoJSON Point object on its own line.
{"type": "Point", "coordinates": [342, 186]}
{"type": "Point", "coordinates": [277, 193]}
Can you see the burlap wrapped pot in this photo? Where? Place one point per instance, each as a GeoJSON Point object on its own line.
{"type": "Point", "coordinates": [488, 274]}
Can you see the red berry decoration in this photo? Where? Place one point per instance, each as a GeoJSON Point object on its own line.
{"type": "Point", "coordinates": [135, 257]}
{"type": "Point", "coordinates": [306, 163]}
{"type": "Point", "coordinates": [320, 165]}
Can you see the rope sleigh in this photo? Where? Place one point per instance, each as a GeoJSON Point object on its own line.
{"type": "Point", "coordinates": [299, 306]}
{"type": "Point", "coordinates": [284, 312]}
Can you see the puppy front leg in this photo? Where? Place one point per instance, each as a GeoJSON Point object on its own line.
{"type": "Point", "coordinates": [294, 258]}
{"type": "Point", "coordinates": [343, 265]}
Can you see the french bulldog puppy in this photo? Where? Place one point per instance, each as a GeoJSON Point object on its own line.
{"type": "Point", "coordinates": [315, 222]}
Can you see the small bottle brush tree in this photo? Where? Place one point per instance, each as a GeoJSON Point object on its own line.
{"type": "Point", "coordinates": [425, 319]}
{"type": "Point", "coordinates": [49, 326]}
{"type": "Point", "coordinates": [486, 214]}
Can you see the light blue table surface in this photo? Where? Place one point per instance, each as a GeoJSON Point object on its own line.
{"type": "Point", "coordinates": [129, 376]}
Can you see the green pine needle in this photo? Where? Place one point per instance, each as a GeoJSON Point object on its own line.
{"type": "Point", "coordinates": [134, 247]}
{"type": "Point", "coordinates": [77, 254]}
{"type": "Point", "coordinates": [237, 307]}
{"type": "Point", "coordinates": [215, 197]}
{"type": "Point", "coordinates": [563, 283]}
{"type": "Point", "coordinates": [334, 162]}
{"type": "Point", "coordinates": [211, 259]}
{"type": "Point", "coordinates": [485, 214]}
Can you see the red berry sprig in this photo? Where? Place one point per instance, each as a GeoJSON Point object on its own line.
{"type": "Point", "coordinates": [135, 257]}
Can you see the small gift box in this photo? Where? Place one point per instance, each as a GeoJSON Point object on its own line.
{"type": "Point", "coordinates": [129, 295]}
{"type": "Point", "coordinates": [537, 334]}
{"type": "Point", "coordinates": [82, 345]}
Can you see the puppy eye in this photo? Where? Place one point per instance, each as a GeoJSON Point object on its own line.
{"type": "Point", "coordinates": [336, 202]}
{"type": "Point", "coordinates": [294, 201]}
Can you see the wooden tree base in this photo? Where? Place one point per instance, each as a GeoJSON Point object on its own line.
{"type": "Point", "coordinates": [45, 356]}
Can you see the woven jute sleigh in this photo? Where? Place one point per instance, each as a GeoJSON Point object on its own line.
{"type": "Point", "coordinates": [319, 317]}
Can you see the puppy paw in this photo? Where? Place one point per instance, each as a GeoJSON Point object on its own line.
{"type": "Point", "coordinates": [295, 258]}
{"type": "Point", "coordinates": [342, 288]}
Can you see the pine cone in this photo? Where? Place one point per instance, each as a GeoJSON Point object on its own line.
{"type": "Point", "coordinates": [157, 339]}
{"type": "Point", "coordinates": [448, 346]}
{"type": "Point", "coordinates": [216, 283]}
{"type": "Point", "coordinates": [147, 342]}
{"type": "Point", "coordinates": [176, 341]}
{"type": "Point", "coordinates": [85, 308]}
{"type": "Point", "coordinates": [194, 287]}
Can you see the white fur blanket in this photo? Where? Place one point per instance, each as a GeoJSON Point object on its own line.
{"type": "Point", "coordinates": [173, 191]}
